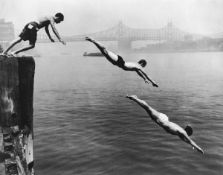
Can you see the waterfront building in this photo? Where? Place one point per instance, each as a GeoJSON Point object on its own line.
{"type": "Point", "coordinates": [7, 32]}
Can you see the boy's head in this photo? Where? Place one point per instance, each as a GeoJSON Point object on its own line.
{"type": "Point", "coordinates": [142, 62]}
{"type": "Point", "coordinates": [59, 17]}
{"type": "Point", "coordinates": [189, 130]}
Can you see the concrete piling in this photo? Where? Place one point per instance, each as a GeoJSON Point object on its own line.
{"type": "Point", "coordinates": [16, 115]}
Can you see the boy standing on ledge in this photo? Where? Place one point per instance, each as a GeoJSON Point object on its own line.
{"type": "Point", "coordinates": [30, 32]}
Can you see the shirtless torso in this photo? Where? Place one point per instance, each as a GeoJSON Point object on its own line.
{"type": "Point", "coordinates": [163, 121]}
{"type": "Point", "coordinates": [119, 61]}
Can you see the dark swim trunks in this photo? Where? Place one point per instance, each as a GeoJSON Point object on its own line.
{"type": "Point", "coordinates": [120, 62]}
{"type": "Point", "coordinates": [30, 32]}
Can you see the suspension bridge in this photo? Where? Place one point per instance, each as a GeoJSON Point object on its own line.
{"type": "Point", "coordinates": [124, 35]}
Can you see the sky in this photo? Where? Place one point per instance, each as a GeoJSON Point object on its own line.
{"type": "Point", "coordinates": [86, 16]}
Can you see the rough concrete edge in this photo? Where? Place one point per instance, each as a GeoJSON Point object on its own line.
{"type": "Point", "coordinates": [2, 165]}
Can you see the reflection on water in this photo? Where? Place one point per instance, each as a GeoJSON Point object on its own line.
{"type": "Point", "coordinates": [85, 126]}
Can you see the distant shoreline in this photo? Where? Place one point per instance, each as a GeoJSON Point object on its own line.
{"type": "Point", "coordinates": [93, 54]}
{"type": "Point", "coordinates": [175, 51]}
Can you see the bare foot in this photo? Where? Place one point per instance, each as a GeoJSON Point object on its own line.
{"type": "Point", "coordinates": [131, 96]}
{"type": "Point", "coordinates": [13, 54]}
{"type": "Point", "coordinates": [89, 39]}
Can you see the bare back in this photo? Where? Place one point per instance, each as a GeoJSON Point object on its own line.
{"type": "Point", "coordinates": [131, 66]}
{"type": "Point", "coordinates": [163, 121]}
{"type": "Point", "coordinates": [44, 21]}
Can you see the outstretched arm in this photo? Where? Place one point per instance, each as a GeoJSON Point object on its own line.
{"type": "Point", "coordinates": [48, 33]}
{"type": "Point", "coordinates": [152, 112]}
{"type": "Point", "coordinates": [192, 143]}
{"type": "Point", "coordinates": [56, 32]}
{"type": "Point", "coordinates": [141, 75]}
{"type": "Point", "coordinates": [146, 78]}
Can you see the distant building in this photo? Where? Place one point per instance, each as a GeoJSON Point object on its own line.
{"type": "Point", "coordinates": [7, 32]}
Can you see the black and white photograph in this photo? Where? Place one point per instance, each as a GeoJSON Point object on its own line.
{"type": "Point", "coordinates": [111, 87]}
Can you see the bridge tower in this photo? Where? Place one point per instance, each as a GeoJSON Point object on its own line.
{"type": "Point", "coordinates": [124, 43]}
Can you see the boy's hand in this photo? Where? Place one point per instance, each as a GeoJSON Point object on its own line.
{"type": "Point", "coordinates": [155, 85]}
{"type": "Point", "coordinates": [131, 97]}
{"type": "Point", "coordinates": [52, 40]}
{"type": "Point", "coordinates": [88, 39]}
{"type": "Point", "coordinates": [63, 42]}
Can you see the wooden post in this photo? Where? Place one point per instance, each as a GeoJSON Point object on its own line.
{"type": "Point", "coordinates": [16, 114]}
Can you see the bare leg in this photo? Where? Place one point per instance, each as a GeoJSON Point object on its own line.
{"type": "Point", "coordinates": [31, 46]}
{"type": "Point", "coordinates": [152, 112]}
{"type": "Point", "coordinates": [14, 42]}
{"type": "Point", "coordinates": [108, 54]}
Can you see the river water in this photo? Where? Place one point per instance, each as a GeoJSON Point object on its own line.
{"type": "Point", "coordinates": [84, 125]}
